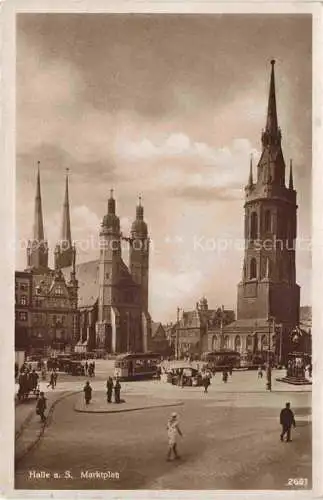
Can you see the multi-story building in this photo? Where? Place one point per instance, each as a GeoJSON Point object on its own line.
{"type": "Point", "coordinates": [113, 299]}
{"type": "Point", "coordinates": [46, 316]}
{"type": "Point", "coordinates": [268, 295]}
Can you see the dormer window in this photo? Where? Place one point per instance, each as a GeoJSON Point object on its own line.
{"type": "Point", "coordinates": [59, 291]}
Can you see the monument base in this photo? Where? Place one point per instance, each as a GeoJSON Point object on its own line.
{"type": "Point", "coordinates": [294, 380]}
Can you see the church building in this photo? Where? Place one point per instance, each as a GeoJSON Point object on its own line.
{"type": "Point", "coordinates": [268, 296]}
{"type": "Point", "coordinates": [46, 316]}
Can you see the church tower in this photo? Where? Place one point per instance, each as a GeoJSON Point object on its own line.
{"type": "Point", "coordinates": [63, 256]}
{"type": "Point", "coordinates": [268, 287]}
{"type": "Point", "coordinates": [37, 250]}
{"type": "Point", "coordinates": [109, 268]}
{"type": "Point", "coordinates": [139, 254]}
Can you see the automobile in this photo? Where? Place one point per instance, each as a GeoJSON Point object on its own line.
{"type": "Point", "coordinates": [76, 368]}
{"type": "Point", "coordinates": [190, 376]}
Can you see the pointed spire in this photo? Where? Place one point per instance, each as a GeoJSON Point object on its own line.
{"type": "Point", "coordinates": [272, 122]}
{"type": "Point", "coordinates": [74, 259]}
{"type": "Point", "coordinates": [66, 222]}
{"type": "Point", "coordinates": [139, 210]}
{"type": "Point", "coordinates": [250, 181]}
{"type": "Point", "coordinates": [38, 230]}
{"type": "Point", "coordinates": [111, 204]}
{"type": "Point", "coordinates": [291, 182]}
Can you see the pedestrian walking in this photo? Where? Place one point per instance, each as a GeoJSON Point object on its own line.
{"type": "Point", "coordinates": [173, 430]}
{"type": "Point", "coordinates": [260, 374]}
{"type": "Point", "coordinates": [109, 389]}
{"type": "Point", "coordinates": [287, 420]}
{"type": "Point", "coordinates": [41, 406]}
{"type": "Point", "coordinates": [87, 392]}
{"type": "Point", "coordinates": [206, 382]}
{"type": "Point", "coordinates": [51, 381]}
{"type": "Point", "coordinates": [117, 389]}
{"type": "Point", "coordinates": [55, 375]}
{"type": "Point", "coordinates": [225, 376]}
{"type": "Point", "coordinates": [86, 367]}
{"type": "Point", "coordinates": [34, 379]}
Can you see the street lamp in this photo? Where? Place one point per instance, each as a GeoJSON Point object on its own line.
{"type": "Point", "coordinates": [270, 320]}
{"type": "Point", "coordinates": [177, 334]}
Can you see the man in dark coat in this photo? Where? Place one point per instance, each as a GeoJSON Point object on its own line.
{"type": "Point", "coordinates": [117, 389]}
{"type": "Point", "coordinates": [286, 420]}
{"type": "Point", "coordinates": [109, 389]}
{"type": "Point", "coordinates": [41, 406]}
{"type": "Point", "coordinates": [87, 392]}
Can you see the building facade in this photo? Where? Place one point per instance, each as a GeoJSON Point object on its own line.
{"type": "Point", "coordinates": [197, 330]}
{"type": "Point", "coordinates": [46, 315]}
{"type": "Point", "coordinates": [268, 295]}
{"type": "Point", "coordinates": [112, 297]}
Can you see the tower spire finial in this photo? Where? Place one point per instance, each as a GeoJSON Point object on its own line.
{"type": "Point", "coordinates": [250, 181]}
{"type": "Point", "coordinates": [38, 232]}
{"type": "Point", "coordinates": [272, 122]}
{"type": "Point", "coordinates": [66, 222]}
{"type": "Point", "coordinates": [111, 193]}
{"type": "Point", "coordinates": [291, 181]}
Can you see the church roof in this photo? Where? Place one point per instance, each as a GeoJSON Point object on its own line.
{"type": "Point", "coordinates": [87, 274]}
{"type": "Point", "coordinates": [247, 325]}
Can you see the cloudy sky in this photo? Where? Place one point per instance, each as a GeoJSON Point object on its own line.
{"type": "Point", "coordinates": [169, 106]}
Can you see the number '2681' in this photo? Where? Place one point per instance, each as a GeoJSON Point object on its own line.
{"type": "Point", "coordinates": [297, 481]}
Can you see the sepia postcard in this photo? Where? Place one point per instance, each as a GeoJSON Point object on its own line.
{"type": "Point", "coordinates": [161, 311]}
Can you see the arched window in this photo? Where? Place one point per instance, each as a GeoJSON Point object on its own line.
{"type": "Point", "coordinates": [226, 342]}
{"type": "Point", "coordinates": [263, 342]}
{"type": "Point", "coordinates": [214, 343]}
{"type": "Point", "coordinates": [267, 221]}
{"type": "Point", "coordinates": [253, 269]}
{"type": "Point", "coordinates": [253, 226]}
{"type": "Point", "coordinates": [249, 343]}
{"type": "Point", "coordinates": [237, 343]}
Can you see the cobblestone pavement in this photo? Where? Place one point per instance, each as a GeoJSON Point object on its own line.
{"type": "Point", "coordinates": [231, 440]}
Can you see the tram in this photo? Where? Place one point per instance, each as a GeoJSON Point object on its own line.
{"type": "Point", "coordinates": [221, 360]}
{"type": "Point", "coordinates": [136, 366]}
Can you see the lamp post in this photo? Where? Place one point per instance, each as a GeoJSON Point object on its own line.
{"type": "Point", "coordinates": [177, 334]}
{"type": "Point", "coordinates": [268, 371]}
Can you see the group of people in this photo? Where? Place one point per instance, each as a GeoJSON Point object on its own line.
{"type": "Point", "coordinates": [89, 369]}
{"type": "Point", "coordinates": [28, 381]}
{"type": "Point", "coordinates": [110, 387]}
{"type": "Point", "coordinates": [53, 379]}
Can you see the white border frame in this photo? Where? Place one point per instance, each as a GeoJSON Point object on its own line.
{"type": "Point", "coordinates": [7, 213]}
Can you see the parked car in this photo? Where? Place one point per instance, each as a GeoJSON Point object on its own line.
{"type": "Point", "coordinates": [187, 376]}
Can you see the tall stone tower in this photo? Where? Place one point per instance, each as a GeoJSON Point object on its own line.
{"type": "Point", "coordinates": [139, 254]}
{"type": "Point", "coordinates": [268, 287]}
{"type": "Point", "coordinates": [64, 250]}
{"type": "Point", "coordinates": [37, 250]}
{"type": "Point", "coordinates": [109, 267]}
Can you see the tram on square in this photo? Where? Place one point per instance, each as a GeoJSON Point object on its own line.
{"type": "Point", "coordinates": [221, 360]}
{"type": "Point", "coordinates": [136, 366]}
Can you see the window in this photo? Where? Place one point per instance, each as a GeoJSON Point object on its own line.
{"type": "Point", "coordinates": [23, 316]}
{"type": "Point", "coordinates": [249, 343]}
{"type": "Point", "coordinates": [214, 343]}
{"type": "Point", "coordinates": [23, 286]}
{"type": "Point", "coordinates": [253, 226]}
{"type": "Point", "coordinates": [59, 291]}
{"type": "Point", "coordinates": [237, 343]}
{"type": "Point", "coordinates": [226, 342]}
{"type": "Point", "coordinates": [267, 221]}
{"type": "Point", "coordinates": [54, 320]}
{"type": "Point", "coordinates": [23, 300]}
{"type": "Point", "coordinates": [253, 269]}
